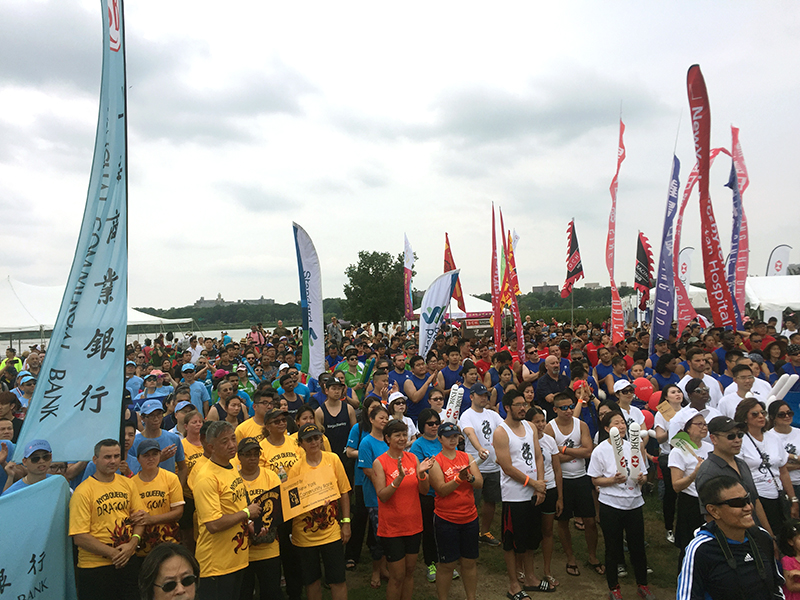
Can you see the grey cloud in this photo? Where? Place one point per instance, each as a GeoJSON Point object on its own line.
{"type": "Point", "coordinates": [254, 198]}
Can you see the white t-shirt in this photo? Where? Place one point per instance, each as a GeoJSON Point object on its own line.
{"type": "Point", "coordinates": [483, 424]}
{"type": "Point", "coordinates": [759, 455]}
{"type": "Point", "coordinates": [624, 496]}
{"type": "Point", "coordinates": [727, 406]}
{"type": "Point", "coordinates": [791, 443]}
{"type": "Point", "coordinates": [575, 468]}
{"type": "Point", "coordinates": [549, 450]}
{"type": "Point", "coordinates": [634, 415]}
{"type": "Point", "coordinates": [714, 389]}
{"type": "Point", "coordinates": [660, 421]}
{"type": "Point", "coordinates": [412, 429]}
{"type": "Point", "coordinates": [687, 463]}
{"type": "Point", "coordinates": [761, 389]}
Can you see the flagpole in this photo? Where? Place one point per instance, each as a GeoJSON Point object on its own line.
{"type": "Point", "coordinates": [572, 312]}
{"type": "Point", "coordinates": [125, 123]}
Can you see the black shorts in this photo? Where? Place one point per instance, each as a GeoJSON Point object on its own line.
{"type": "Point", "coordinates": [332, 556]}
{"type": "Point", "coordinates": [578, 499]}
{"type": "Point", "coordinates": [490, 492]}
{"type": "Point", "coordinates": [396, 548]}
{"type": "Point", "coordinates": [548, 505]}
{"type": "Point", "coordinates": [454, 540]}
{"type": "Point", "coordinates": [522, 530]}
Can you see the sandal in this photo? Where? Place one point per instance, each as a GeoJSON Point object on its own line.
{"type": "Point", "coordinates": [544, 586]}
{"type": "Point", "coordinates": [552, 580]}
{"type": "Point", "coordinates": [573, 570]}
{"type": "Point", "coordinates": [350, 565]}
{"type": "Point", "coordinates": [599, 567]}
{"type": "Point", "coordinates": [518, 596]}
{"type": "Point", "coordinates": [580, 526]}
{"type": "Point", "coordinates": [375, 584]}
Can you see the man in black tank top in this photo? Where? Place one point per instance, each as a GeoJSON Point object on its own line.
{"type": "Point", "coordinates": [335, 417]}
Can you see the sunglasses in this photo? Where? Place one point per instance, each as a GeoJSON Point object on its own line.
{"type": "Point", "coordinates": [733, 436]}
{"type": "Point", "coordinates": [566, 407]}
{"type": "Point", "coordinates": [783, 415]}
{"type": "Point", "coordinates": [626, 391]}
{"type": "Point", "coordinates": [38, 457]}
{"type": "Point", "coordinates": [736, 502]}
{"type": "Point", "coordinates": [171, 585]}
{"type": "Point", "coordinates": [432, 423]}
{"type": "Point", "coordinates": [760, 413]}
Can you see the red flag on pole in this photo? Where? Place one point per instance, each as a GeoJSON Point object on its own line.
{"type": "Point", "coordinates": [450, 265]}
{"type": "Point", "coordinates": [719, 295]}
{"type": "Point", "coordinates": [617, 324]}
{"type": "Point", "coordinates": [511, 272]}
{"type": "Point", "coordinates": [644, 270]}
{"type": "Point", "coordinates": [574, 264]}
{"type": "Point", "coordinates": [497, 308]}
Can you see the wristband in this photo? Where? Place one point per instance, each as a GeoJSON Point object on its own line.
{"type": "Point", "coordinates": [345, 520]}
{"type": "Point", "coordinates": [794, 500]}
{"type": "Point", "coordinates": [138, 536]}
{"type": "Point", "coordinates": [527, 479]}
{"type": "Point", "coordinates": [423, 478]}
{"type": "Point", "coordinates": [247, 512]}
{"type": "Point", "coordinates": [563, 449]}
{"type": "Point", "coordinates": [392, 484]}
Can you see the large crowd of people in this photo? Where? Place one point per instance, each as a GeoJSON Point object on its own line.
{"type": "Point", "coordinates": [187, 501]}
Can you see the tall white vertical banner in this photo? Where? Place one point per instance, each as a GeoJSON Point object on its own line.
{"type": "Point", "coordinates": [78, 398]}
{"type": "Point", "coordinates": [310, 303]}
{"type": "Point", "coordinates": [434, 303]}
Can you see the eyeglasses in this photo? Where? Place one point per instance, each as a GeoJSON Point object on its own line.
{"type": "Point", "coordinates": [732, 436]}
{"type": "Point", "coordinates": [736, 502]}
{"type": "Point", "coordinates": [37, 457]}
{"type": "Point", "coordinates": [783, 415]}
{"type": "Point", "coordinates": [171, 585]}
{"type": "Point", "coordinates": [518, 405]}
{"type": "Point", "coordinates": [566, 407]}
{"type": "Point", "coordinates": [702, 425]}
{"type": "Point", "coordinates": [432, 423]}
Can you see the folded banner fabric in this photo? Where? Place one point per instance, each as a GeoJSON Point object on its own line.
{"type": "Point", "coordinates": [617, 318]}
{"type": "Point", "coordinates": [408, 266]}
{"type": "Point", "coordinates": [497, 308]}
{"type": "Point", "coordinates": [574, 264]}
{"type": "Point", "coordinates": [310, 303]}
{"type": "Point", "coordinates": [644, 270]}
{"type": "Point", "coordinates": [736, 229]}
{"type": "Point", "coordinates": [81, 382]}
{"type": "Point", "coordinates": [434, 303]}
{"type": "Point", "coordinates": [719, 295]}
{"type": "Point", "coordinates": [449, 265]}
{"type": "Point", "coordinates": [743, 257]}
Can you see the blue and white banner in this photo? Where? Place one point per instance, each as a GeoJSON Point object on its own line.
{"type": "Point", "coordinates": [434, 303]}
{"type": "Point", "coordinates": [37, 552]}
{"type": "Point", "coordinates": [81, 381]}
{"type": "Point", "coordinates": [310, 303]}
{"type": "Point", "coordinates": [664, 304]}
{"type": "Point", "coordinates": [733, 257]}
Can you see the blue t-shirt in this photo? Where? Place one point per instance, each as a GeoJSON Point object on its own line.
{"type": "Point", "coordinates": [133, 465]}
{"type": "Point", "coordinates": [21, 485]}
{"type": "Point", "coordinates": [354, 441]}
{"type": "Point", "coordinates": [3, 475]}
{"type": "Point", "coordinates": [199, 395]}
{"type": "Point", "coordinates": [423, 448]}
{"type": "Point", "coordinates": [451, 377]}
{"type": "Point", "coordinates": [165, 439]}
{"type": "Point", "coordinates": [332, 361]}
{"type": "Point", "coordinates": [369, 449]}
{"type": "Point", "coordinates": [664, 381]}
{"type": "Point", "coordinates": [399, 378]}
{"type": "Point", "coordinates": [604, 371]}
{"type": "Point", "coordinates": [466, 401]}
{"type": "Point", "coordinates": [414, 408]}
{"type": "Point", "coordinates": [134, 384]}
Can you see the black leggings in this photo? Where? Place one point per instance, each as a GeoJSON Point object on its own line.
{"type": "Point", "coordinates": [268, 572]}
{"type": "Point", "coordinates": [670, 495]}
{"type": "Point", "coordinates": [429, 553]}
{"type": "Point", "coordinates": [614, 522]}
{"type": "Point", "coordinates": [290, 561]}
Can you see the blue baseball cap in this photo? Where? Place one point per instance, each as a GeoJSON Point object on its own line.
{"type": "Point", "coordinates": [146, 446]}
{"type": "Point", "coordinates": [23, 373]}
{"type": "Point", "coordinates": [188, 367]}
{"type": "Point", "coordinates": [448, 430]}
{"type": "Point", "coordinates": [151, 406]}
{"type": "Point", "coordinates": [182, 404]}
{"type": "Point", "coordinates": [26, 379]}
{"type": "Point", "coordinates": [130, 363]}
{"type": "Point", "coordinates": [478, 389]}
{"type": "Point", "coordinates": [35, 445]}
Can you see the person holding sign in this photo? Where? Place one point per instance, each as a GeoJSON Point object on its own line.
{"type": "Point", "coordinates": [399, 512]}
{"type": "Point", "coordinates": [621, 504]}
{"type": "Point", "coordinates": [104, 522]}
{"type": "Point", "coordinates": [454, 476]}
{"type": "Point", "coordinates": [261, 488]}
{"type": "Point", "coordinates": [317, 533]}
{"type": "Point", "coordinates": [223, 516]}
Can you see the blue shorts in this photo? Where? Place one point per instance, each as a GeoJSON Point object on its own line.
{"type": "Point", "coordinates": [454, 540]}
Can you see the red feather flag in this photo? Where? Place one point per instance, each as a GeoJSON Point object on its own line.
{"type": "Point", "coordinates": [644, 270]}
{"type": "Point", "coordinates": [574, 264]}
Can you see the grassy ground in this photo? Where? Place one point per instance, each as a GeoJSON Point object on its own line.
{"type": "Point", "coordinates": [492, 580]}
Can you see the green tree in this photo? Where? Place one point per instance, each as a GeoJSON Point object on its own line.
{"type": "Point", "coordinates": [374, 290]}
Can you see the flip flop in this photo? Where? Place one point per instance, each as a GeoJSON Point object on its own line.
{"type": "Point", "coordinates": [580, 526]}
{"type": "Point", "coordinates": [552, 580]}
{"type": "Point", "coordinates": [544, 586]}
{"type": "Point", "coordinates": [350, 565]}
{"type": "Point", "coordinates": [573, 570]}
{"type": "Point", "coordinates": [518, 596]}
{"type": "Point", "coordinates": [599, 568]}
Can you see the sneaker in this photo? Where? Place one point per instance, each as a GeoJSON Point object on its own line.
{"type": "Point", "coordinates": [615, 594]}
{"type": "Point", "coordinates": [671, 536]}
{"type": "Point", "coordinates": [455, 574]}
{"type": "Point", "coordinates": [432, 573]}
{"type": "Point", "coordinates": [621, 571]}
{"type": "Point", "coordinates": [488, 539]}
{"type": "Point", "coordinates": [644, 592]}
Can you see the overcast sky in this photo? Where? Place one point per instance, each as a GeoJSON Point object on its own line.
{"type": "Point", "coordinates": [362, 121]}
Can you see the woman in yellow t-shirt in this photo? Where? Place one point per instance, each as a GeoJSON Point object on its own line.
{"type": "Point", "coordinates": [317, 533]}
{"type": "Point", "coordinates": [305, 415]}
{"type": "Point", "coordinates": [265, 562]}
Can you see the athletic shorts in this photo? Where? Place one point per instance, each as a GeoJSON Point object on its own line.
{"type": "Point", "coordinates": [331, 555]}
{"type": "Point", "coordinates": [548, 505]}
{"type": "Point", "coordinates": [522, 531]}
{"type": "Point", "coordinates": [490, 492]}
{"type": "Point", "coordinates": [578, 499]}
{"type": "Point", "coordinates": [396, 548]}
{"type": "Point", "coordinates": [454, 540]}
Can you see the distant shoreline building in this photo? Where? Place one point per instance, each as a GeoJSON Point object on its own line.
{"type": "Point", "coordinates": [543, 289]}
{"type": "Point", "coordinates": [220, 301]}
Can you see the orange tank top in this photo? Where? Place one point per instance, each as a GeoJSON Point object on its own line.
{"type": "Point", "coordinates": [402, 514]}
{"type": "Point", "coordinates": [459, 505]}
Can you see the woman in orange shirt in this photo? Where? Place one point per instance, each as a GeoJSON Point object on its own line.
{"type": "Point", "coordinates": [399, 511]}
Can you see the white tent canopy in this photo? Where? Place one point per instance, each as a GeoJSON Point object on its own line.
{"type": "Point", "coordinates": [773, 293]}
{"type": "Point", "coordinates": [29, 308]}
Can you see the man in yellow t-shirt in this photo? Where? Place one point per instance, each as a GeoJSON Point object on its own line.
{"type": "Point", "coordinates": [317, 533]}
{"type": "Point", "coordinates": [223, 516]}
{"type": "Point", "coordinates": [265, 562]}
{"type": "Point", "coordinates": [254, 426]}
{"type": "Point", "coordinates": [105, 522]}
{"type": "Point", "coordinates": [162, 496]}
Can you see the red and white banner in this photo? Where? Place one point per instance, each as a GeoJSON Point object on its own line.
{"type": "Point", "coordinates": [719, 296]}
{"type": "Point", "coordinates": [497, 307]}
{"type": "Point", "coordinates": [617, 318]}
{"type": "Point", "coordinates": [450, 265]}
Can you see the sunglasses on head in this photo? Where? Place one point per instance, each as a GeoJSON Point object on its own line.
{"type": "Point", "coordinates": [171, 585]}
{"type": "Point", "coordinates": [736, 502]}
{"type": "Point", "coordinates": [38, 457]}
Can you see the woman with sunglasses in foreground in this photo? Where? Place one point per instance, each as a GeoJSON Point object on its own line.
{"type": "Point", "coordinates": [780, 423]}
{"type": "Point", "coordinates": [169, 571]}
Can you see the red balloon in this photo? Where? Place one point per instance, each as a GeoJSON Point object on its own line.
{"type": "Point", "coordinates": [654, 401]}
{"type": "Point", "coordinates": [649, 419]}
{"type": "Point", "coordinates": [644, 389]}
